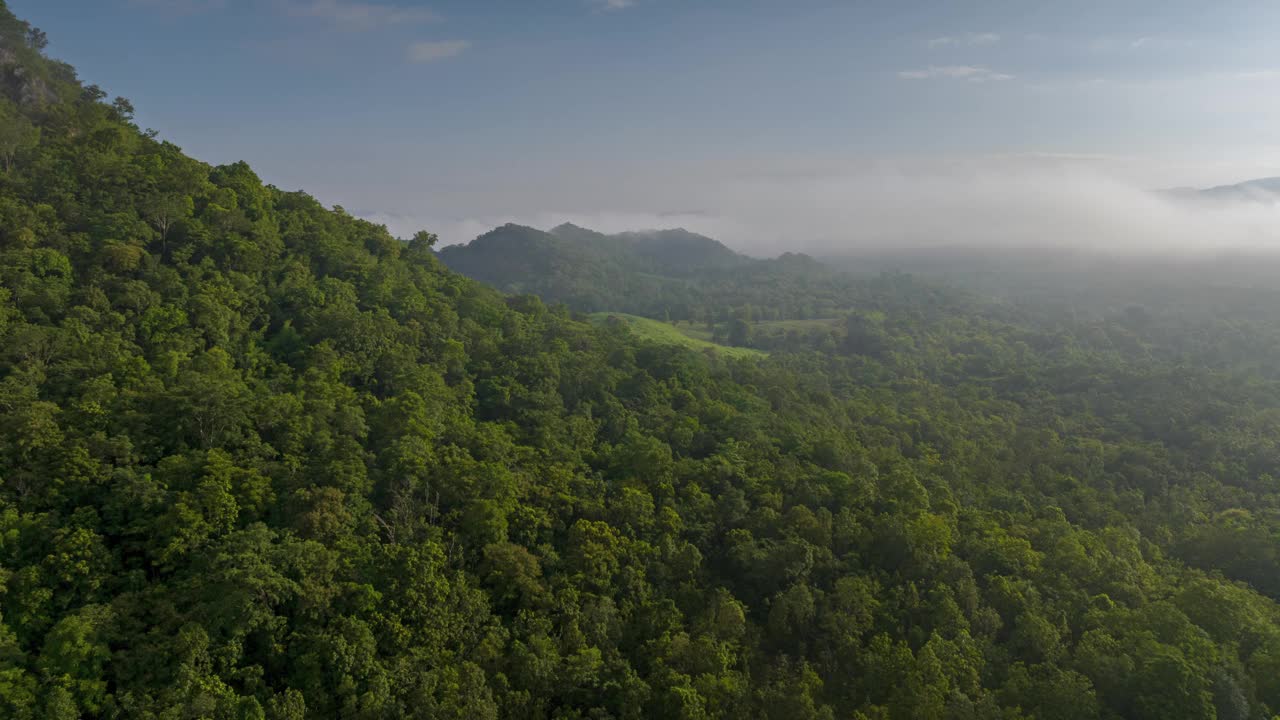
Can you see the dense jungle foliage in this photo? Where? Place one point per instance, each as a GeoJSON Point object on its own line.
{"type": "Point", "coordinates": [260, 459]}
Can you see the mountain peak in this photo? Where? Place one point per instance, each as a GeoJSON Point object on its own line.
{"type": "Point", "coordinates": [569, 231]}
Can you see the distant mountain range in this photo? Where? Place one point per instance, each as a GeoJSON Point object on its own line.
{"type": "Point", "coordinates": [1261, 190]}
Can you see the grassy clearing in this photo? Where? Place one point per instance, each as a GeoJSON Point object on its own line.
{"type": "Point", "coordinates": [697, 331]}
{"type": "Point", "coordinates": [667, 334]}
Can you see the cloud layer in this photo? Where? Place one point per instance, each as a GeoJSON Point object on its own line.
{"type": "Point", "coordinates": [972, 73]}
{"type": "Point", "coordinates": [612, 4]}
{"type": "Point", "coordinates": [428, 51]}
{"type": "Point", "coordinates": [180, 7]}
{"type": "Point", "coordinates": [965, 40]}
{"type": "Point", "coordinates": [1013, 202]}
{"type": "Point", "coordinates": [1016, 204]}
{"type": "Point", "coordinates": [353, 15]}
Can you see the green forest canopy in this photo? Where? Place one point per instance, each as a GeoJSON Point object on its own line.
{"type": "Point", "coordinates": [260, 459]}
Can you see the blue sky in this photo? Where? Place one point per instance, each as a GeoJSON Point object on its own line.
{"type": "Point", "coordinates": [455, 114]}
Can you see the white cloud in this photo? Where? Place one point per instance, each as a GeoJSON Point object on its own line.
{"type": "Point", "coordinates": [608, 5]}
{"type": "Point", "coordinates": [1009, 203]}
{"type": "Point", "coordinates": [1258, 75]}
{"type": "Point", "coordinates": [180, 7]}
{"type": "Point", "coordinates": [1145, 43]}
{"type": "Point", "coordinates": [972, 73]}
{"type": "Point", "coordinates": [428, 51]}
{"type": "Point", "coordinates": [358, 15]}
{"type": "Point", "coordinates": [965, 40]}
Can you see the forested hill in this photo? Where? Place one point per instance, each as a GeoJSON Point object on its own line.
{"type": "Point", "coordinates": [524, 252]}
{"type": "Point", "coordinates": [670, 274]}
{"type": "Point", "coordinates": [591, 271]}
{"type": "Point", "coordinates": [260, 459]}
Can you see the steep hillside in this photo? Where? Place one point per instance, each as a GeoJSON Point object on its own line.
{"type": "Point", "coordinates": [260, 459]}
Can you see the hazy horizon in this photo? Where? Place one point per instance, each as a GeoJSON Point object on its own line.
{"type": "Point", "coordinates": [813, 126]}
{"type": "Point", "coordinates": [1012, 206]}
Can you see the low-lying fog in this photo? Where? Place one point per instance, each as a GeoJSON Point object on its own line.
{"type": "Point", "coordinates": [887, 207]}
